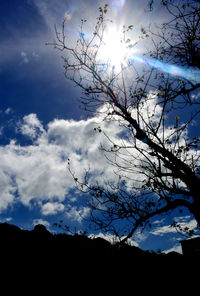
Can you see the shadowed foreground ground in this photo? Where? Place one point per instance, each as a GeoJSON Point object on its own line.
{"type": "Point", "coordinates": [38, 258]}
{"type": "Point", "coordinates": [39, 242]}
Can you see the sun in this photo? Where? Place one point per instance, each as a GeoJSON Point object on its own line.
{"type": "Point", "coordinates": [113, 51]}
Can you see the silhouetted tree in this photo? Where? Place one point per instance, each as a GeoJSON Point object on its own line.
{"type": "Point", "coordinates": [157, 162]}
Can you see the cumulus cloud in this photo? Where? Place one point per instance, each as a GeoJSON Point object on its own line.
{"type": "Point", "coordinates": [39, 173]}
{"type": "Point", "coordinates": [7, 188]}
{"type": "Point", "coordinates": [52, 208]}
{"type": "Point", "coordinates": [31, 126]}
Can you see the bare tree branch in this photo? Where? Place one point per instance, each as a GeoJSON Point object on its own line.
{"type": "Point", "coordinates": [155, 154]}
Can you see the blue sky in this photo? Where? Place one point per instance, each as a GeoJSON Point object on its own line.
{"type": "Point", "coordinates": [41, 122]}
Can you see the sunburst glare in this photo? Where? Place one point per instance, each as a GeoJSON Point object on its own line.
{"type": "Point", "coordinates": [114, 51]}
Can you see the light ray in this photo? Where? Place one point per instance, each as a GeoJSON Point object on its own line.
{"type": "Point", "coordinates": [189, 74]}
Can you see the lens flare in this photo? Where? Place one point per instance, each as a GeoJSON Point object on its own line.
{"type": "Point", "coordinates": [68, 16]}
{"type": "Point", "coordinates": [189, 74]}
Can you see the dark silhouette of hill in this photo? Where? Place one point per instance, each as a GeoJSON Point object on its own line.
{"type": "Point", "coordinates": [38, 258]}
{"type": "Point", "coordinates": [40, 244]}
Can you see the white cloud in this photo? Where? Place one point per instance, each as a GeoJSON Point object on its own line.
{"type": "Point", "coordinates": [195, 96]}
{"type": "Point", "coordinates": [75, 213]}
{"type": "Point", "coordinates": [52, 208]}
{"type": "Point", "coordinates": [41, 221]}
{"type": "Point", "coordinates": [39, 173]}
{"type": "Point", "coordinates": [35, 55]}
{"type": "Point", "coordinates": [113, 238]}
{"type": "Point", "coordinates": [3, 220]}
{"type": "Point", "coordinates": [176, 248]}
{"type": "Point", "coordinates": [185, 221]}
{"type": "Point", "coordinates": [24, 56]}
{"type": "Point", "coordinates": [161, 231]}
{"type": "Point", "coordinates": [31, 126]}
{"type": "Point", "coordinates": [7, 190]}
{"type": "Point", "coordinates": [8, 111]}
